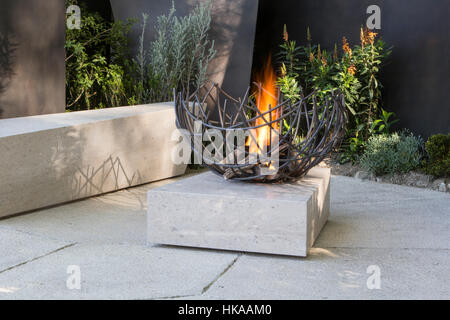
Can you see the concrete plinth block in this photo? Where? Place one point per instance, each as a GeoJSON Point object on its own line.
{"type": "Point", "coordinates": [208, 212]}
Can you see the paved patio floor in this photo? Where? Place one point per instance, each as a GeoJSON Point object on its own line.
{"type": "Point", "coordinates": [403, 232]}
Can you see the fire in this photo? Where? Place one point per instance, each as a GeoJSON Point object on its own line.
{"type": "Point", "coordinates": [266, 100]}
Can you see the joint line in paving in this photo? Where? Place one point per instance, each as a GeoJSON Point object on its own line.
{"type": "Point", "coordinates": [37, 258]}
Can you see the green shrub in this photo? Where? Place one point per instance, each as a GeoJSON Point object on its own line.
{"type": "Point", "coordinates": [438, 150]}
{"type": "Point", "coordinates": [178, 57]}
{"type": "Point", "coordinates": [355, 72]}
{"type": "Point", "coordinates": [392, 153]}
{"type": "Point", "coordinates": [96, 62]}
{"type": "Point", "coordinates": [100, 73]}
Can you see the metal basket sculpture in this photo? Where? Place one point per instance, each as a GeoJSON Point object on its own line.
{"type": "Point", "coordinates": [306, 132]}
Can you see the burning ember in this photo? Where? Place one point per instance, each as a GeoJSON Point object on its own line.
{"type": "Point", "coordinates": [266, 100]}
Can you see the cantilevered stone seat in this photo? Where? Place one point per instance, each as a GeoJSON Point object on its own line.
{"type": "Point", "coordinates": [52, 159]}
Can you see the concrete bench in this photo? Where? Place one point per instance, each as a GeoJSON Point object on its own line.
{"type": "Point", "coordinates": [53, 159]}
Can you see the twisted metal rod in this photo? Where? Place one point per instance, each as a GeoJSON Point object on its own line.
{"type": "Point", "coordinates": [323, 127]}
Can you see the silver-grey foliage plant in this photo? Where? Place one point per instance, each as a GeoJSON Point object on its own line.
{"type": "Point", "coordinates": [392, 153]}
{"type": "Point", "coordinates": [178, 57]}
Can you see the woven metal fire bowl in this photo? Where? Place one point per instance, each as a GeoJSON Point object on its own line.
{"type": "Point", "coordinates": [282, 143]}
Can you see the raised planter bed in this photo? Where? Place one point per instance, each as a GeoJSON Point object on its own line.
{"type": "Point", "coordinates": [53, 159]}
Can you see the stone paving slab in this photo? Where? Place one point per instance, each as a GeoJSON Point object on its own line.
{"type": "Point", "coordinates": [373, 215]}
{"type": "Point", "coordinates": [406, 224]}
{"type": "Point", "coordinates": [349, 190]}
{"type": "Point", "coordinates": [338, 274]}
{"type": "Point", "coordinates": [403, 230]}
{"type": "Point", "coordinates": [116, 272]}
{"type": "Point", "coordinates": [112, 218]}
{"type": "Point", "coordinates": [17, 248]}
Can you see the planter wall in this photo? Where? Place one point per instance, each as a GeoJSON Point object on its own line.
{"type": "Point", "coordinates": [53, 159]}
{"type": "Point", "coordinates": [32, 69]}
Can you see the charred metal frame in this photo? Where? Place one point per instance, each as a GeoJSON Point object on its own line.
{"type": "Point", "coordinates": [322, 126]}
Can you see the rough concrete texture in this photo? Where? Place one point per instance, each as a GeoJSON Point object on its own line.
{"type": "Point", "coordinates": [401, 230]}
{"type": "Point", "coordinates": [338, 274]}
{"type": "Point", "coordinates": [117, 272]}
{"type": "Point", "coordinates": [83, 154]}
{"type": "Point", "coordinates": [19, 247]}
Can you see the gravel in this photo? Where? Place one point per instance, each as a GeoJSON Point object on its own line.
{"type": "Point", "coordinates": [412, 179]}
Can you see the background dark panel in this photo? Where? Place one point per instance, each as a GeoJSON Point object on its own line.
{"type": "Point", "coordinates": [416, 79]}
{"type": "Point", "coordinates": [32, 69]}
{"type": "Point", "coordinates": [103, 7]}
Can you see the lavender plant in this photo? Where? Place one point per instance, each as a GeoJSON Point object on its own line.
{"type": "Point", "coordinates": [392, 153]}
{"type": "Point", "coordinates": [178, 57]}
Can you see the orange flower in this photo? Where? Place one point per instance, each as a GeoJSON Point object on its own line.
{"type": "Point", "coordinates": [324, 61]}
{"type": "Point", "coordinates": [367, 37]}
{"type": "Point", "coordinates": [311, 57]}
{"type": "Point", "coordinates": [346, 47]}
{"type": "Point", "coordinates": [362, 36]}
{"type": "Point", "coordinates": [352, 70]}
{"type": "Point", "coordinates": [371, 36]}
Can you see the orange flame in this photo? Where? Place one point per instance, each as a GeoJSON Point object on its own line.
{"type": "Point", "coordinates": [267, 99]}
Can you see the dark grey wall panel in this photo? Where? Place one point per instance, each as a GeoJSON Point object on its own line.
{"type": "Point", "coordinates": [32, 69]}
{"type": "Point", "coordinates": [233, 29]}
{"type": "Point", "coordinates": [417, 78]}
